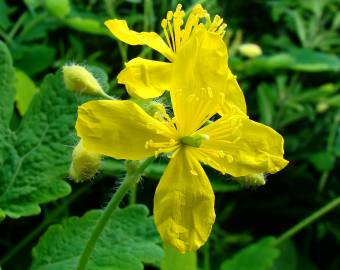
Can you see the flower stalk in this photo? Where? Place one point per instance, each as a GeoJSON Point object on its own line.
{"type": "Point", "coordinates": [308, 220]}
{"type": "Point", "coordinates": [132, 177]}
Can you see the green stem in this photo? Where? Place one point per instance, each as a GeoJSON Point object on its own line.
{"type": "Point", "coordinates": [330, 147]}
{"type": "Point", "coordinates": [110, 10]}
{"type": "Point", "coordinates": [307, 221]}
{"type": "Point", "coordinates": [105, 95]}
{"type": "Point", "coordinates": [4, 35]}
{"type": "Point", "coordinates": [16, 27]}
{"type": "Point", "coordinates": [130, 180]}
{"type": "Point", "coordinates": [37, 231]}
{"type": "Point", "coordinates": [133, 196]}
{"type": "Point", "coordinates": [206, 256]}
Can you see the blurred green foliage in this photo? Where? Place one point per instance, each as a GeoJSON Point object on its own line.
{"type": "Point", "coordinates": [293, 87]}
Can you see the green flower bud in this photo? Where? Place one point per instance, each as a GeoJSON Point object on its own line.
{"type": "Point", "coordinates": [85, 164]}
{"type": "Point", "coordinates": [79, 79]}
{"type": "Point", "coordinates": [321, 107]}
{"type": "Point", "coordinates": [253, 180]}
{"type": "Point", "coordinates": [250, 50]}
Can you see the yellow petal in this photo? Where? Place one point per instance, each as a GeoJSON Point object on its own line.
{"type": "Point", "coordinates": [146, 78]}
{"type": "Point", "coordinates": [119, 129]}
{"type": "Point", "coordinates": [239, 146]}
{"type": "Point", "coordinates": [233, 95]}
{"type": "Point", "coordinates": [200, 75]}
{"type": "Point", "coordinates": [120, 30]}
{"type": "Point", "coordinates": [184, 203]}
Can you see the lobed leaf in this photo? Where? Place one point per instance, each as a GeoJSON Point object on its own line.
{"type": "Point", "coordinates": [128, 240]}
{"type": "Point", "coordinates": [258, 256]}
{"type": "Point", "coordinates": [35, 157]}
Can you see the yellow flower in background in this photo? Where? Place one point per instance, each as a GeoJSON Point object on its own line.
{"type": "Point", "coordinates": [233, 144]}
{"type": "Point", "coordinates": [145, 78]}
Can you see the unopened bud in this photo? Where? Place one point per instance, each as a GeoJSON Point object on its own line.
{"type": "Point", "coordinates": [322, 107]}
{"type": "Point", "coordinates": [79, 79]}
{"type": "Point", "coordinates": [250, 50]}
{"type": "Point", "coordinates": [85, 164]}
{"type": "Point", "coordinates": [253, 180]}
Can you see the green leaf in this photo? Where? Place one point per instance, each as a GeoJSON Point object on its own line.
{"type": "Point", "coordinates": [305, 60]}
{"type": "Point", "coordinates": [265, 103]}
{"type": "Point", "coordinates": [25, 90]}
{"type": "Point", "coordinates": [4, 19]}
{"type": "Point", "coordinates": [34, 58]}
{"type": "Point", "coordinates": [87, 25]}
{"type": "Point", "coordinates": [299, 26]}
{"type": "Point", "coordinates": [322, 161]}
{"type": "Point", "coordinates": [7, 87]}
{"type": "Point", "coordinates": [59, 8]}
{"type": "Point", "coordinates": [2, 215]}
{"type": "Point", "coordinates": [33, 4]}
{"type": "Point", "coordinates": [288, 259]}
{"type": "Point", "coordinates": [173, 260]}
{"type": "Point", "coordinates": [37, 158]}
{"type": "Point", "coordinates": [258, 256]}
{"type": "Point", "coordinates": [128, 240]}
{"type": "Point", "coordinates": [313, 61]}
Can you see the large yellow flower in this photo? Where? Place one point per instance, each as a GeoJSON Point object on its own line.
{"type": "Point", "coordinates": [147, 78]}
{"type": "Point", "coordinates": [233, 144]}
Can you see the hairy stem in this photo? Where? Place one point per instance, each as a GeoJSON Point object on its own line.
{"type": "Point", "coordinates": [308, 220]}
{"type": "Point", "coordinates": [132, 177]}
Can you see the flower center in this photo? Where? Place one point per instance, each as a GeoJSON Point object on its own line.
{"type": "Point", "coordinates": [172, 25]}
{"type": "Point", "coordinates": [194, 140]}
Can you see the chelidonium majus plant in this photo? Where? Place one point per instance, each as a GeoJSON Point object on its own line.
{"type": "Point", "coordinates": [206, 123]}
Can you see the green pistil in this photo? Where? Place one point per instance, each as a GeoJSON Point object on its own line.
{"type": "Point", "coordinates": [194, 140]}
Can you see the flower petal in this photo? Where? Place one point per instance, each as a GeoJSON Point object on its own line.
{"type": "Point", "coordinates": [120, 30]}
{"type": "Point", "coordinates": [200, 75]}
{"type": "Point", "coordinates": [146, 78]}
{"type": "Point", "coordinates": [184, 203]}
{"type": "Point", "coordinates": [239, 146]}
{"type": "Point", "coordinates": [119, 129]}
{"type": "Point", "coordinates": [233, 94]}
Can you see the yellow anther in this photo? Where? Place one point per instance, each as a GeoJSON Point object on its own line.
{"type": "Point", "coordinates": [169, 15]}
{"type": "Point", "coordinates": [164, 23]}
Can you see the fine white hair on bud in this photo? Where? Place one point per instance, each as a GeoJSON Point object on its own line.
{"type": "Point", "coordinates": [85, 164]}
{"type": "Point", "coordinates": [78, 79]}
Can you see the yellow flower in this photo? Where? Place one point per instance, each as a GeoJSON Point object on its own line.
{"type": "Point", "coordinates": [147, 78]}
{"type": "Point", "coordinates": [233, 144]}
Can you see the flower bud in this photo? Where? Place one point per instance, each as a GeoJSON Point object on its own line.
{"type": "Point", "coordinates": [253, 180]}
{"type": "Point", "coordinates": [85, 164]}
{"type": "Point", "coordinates": [79, 79]}
{"type": "Point", "coordinates": [321, 107]}
{"type": "Point", "coordinates": [250, 50]}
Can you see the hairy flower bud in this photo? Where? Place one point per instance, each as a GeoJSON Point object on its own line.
{"type": "Point", "coordinates": [85, 164]}
{"type": "Point", "coordinates": [79, 79]}
{"type": "Point", "coordinates": [250, 50]}
{"type": "Point", "coordinates": [253, 180]}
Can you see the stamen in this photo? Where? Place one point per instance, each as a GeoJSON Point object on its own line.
{"type": "Point", "coordinates": [164, 25]}
{"type": "Point", "coordinates": [178, 22]}
{"type": "Point", "coordinates": [162, 147]}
